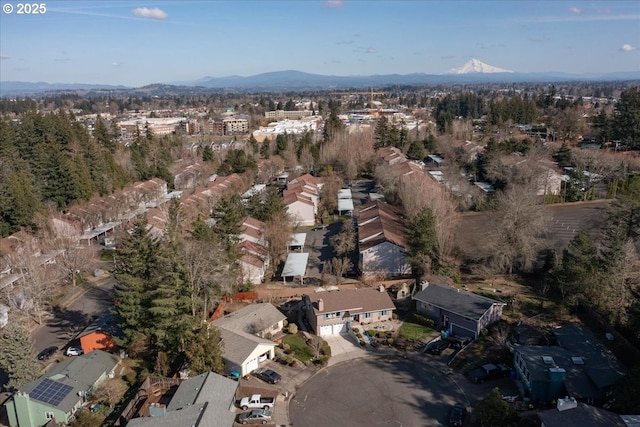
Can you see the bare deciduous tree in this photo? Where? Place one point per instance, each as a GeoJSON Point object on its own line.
{"type": "Point", "coordinates": [418, 191]}
{"type": "Point", "coordinates": [210, 273]}
{"type": "Point", "coordinates": [518, 229]}
{"type": "Point", "coordinates": [110, 392]}
{"type": "Point", "coordinates": [340, 266]}
{"type": "Point", "coordinates": [277, 233]}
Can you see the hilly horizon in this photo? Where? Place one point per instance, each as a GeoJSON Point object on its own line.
{"type": "Point", "coordinates": [473, 71]}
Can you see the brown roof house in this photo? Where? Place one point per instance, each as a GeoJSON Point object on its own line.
{"type": "Point", "coordinates": [336, 312]}
{"type": "Point", "coordinates": [382, 241]}
{"type": "Point", "coordinates": [254, 261]}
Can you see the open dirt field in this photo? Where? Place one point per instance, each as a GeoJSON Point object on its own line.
{"type": "Point", "coordinates": [565, 221]}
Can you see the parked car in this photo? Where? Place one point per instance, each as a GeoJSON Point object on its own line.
{"type": "Point", "coordinates": [457, 415]}
{"type": "Point", "coordinates": [257, 401]}
{"type": "Point", "coordinates": [73, 351]}
{"type": "Point", "coordinates": [268, 375]}
{"type": "Point", "coordinates": [488, 372]}
{"type": "Point", "coordinates": [47, 353]}
{"type": "Point", "coordinates": [257, 416]}
{"type": "Point", "coordinates": [458, 343]}
{"type": "Point", "coordinates": [436, 347]}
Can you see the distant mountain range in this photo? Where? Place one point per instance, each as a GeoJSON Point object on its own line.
{"type": "Point", "coordinates": [473, 72]}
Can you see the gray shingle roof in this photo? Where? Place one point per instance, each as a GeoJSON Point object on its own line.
{"type": "Point", "coordinates": [79, 372]}
{"type": "Point", "coordinates": [252, 319]}
{"type": "Point", "coordinates": [582, 416]}
{"type": "Point", "coordinates": [202, 401]}
{"type": "Point", "coordinates": [455, 300]}
{"type": "Point", "coordinates": [238, 330]}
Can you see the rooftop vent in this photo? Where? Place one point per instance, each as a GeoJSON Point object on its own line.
{"type": "Point", "coordinates": [577, 360]}
{"type": "Point", "coordinates": [548, 360]}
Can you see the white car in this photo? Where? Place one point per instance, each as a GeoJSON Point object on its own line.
{"type": "Point", "coordinates": [73, 351]}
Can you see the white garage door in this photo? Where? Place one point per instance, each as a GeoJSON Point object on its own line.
{"type": "Point", "coordinates": [340, 329]}
{"type": "Point", "coordinates": [326, 330]}
{"type": "Point", "coordinates": [252, 365]}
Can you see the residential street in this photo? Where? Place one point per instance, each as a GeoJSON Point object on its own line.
{"type": "Point", "coordinates": [66, 324]}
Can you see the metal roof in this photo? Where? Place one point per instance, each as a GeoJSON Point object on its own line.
{"type": "Point", "coordinates": [345, 205]}
{"type": "Point", "coordinates": [345, 193]}
{"type": "Point", "coordinates": [297, 239]}
{"type": "Point", "coordinates": [296, 264]}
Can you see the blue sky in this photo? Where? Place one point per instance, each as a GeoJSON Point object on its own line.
{"type": "Point", "coordinates": [136, 43]}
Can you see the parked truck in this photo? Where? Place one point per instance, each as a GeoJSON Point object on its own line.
{"type": "Point", "coordinates": [257, 401]}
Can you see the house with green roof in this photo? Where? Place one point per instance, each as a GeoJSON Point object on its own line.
{"type": "Point", "coordinates": [60, 393]}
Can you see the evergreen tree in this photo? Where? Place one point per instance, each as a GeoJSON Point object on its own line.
{"type": "Point", "coordinates": [17, 357]}
{"type": "Point", "coordinates": [578, 274]}
{"type": "Point", "coordinates": [416, 151]}
{"type": "Point", "coordinates": [228, 214]}
{"type": "Point", "coordinates": [134, 270]}
{"type": "Point", "coordinates": [421, 234]}
{"type": "Point", "coordinates": [207, 154]}
{"type": "Point", "coordinates": [627, 118]}
{"type": "Point", "coordinates": [273, 205]}
{"type": "Point", "coordinates": [381, 132]}
{"type": "Point", "coordinates": [281, 144]}
{"type": "Point", "coordinates": [204, 350]}
{"type": "Point", "coordinates": [18, 202]}
{"type": "Point", "coordinates": [265, 148]}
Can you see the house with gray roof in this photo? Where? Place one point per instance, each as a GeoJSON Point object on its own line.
{"type": "Point", "coordinates": [59, 394]}
{"type": "Point", "coordinates": [579, 415]}
{"type": "Point", "coordinates": [335, 312]}
{"type": "Point", "coordinates": [244, 336]}
{"type": "Point", "coordinates": [579, 367]}
{"type": "Point", "coordinates": [460, 312]}
{"type": "Point", "coordinates": [206, 400]}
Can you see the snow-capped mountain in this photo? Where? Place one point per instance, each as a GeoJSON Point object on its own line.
{"type": "Point", "coordinates": [476, 66]}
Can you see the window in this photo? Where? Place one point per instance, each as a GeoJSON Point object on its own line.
{"type": "Point", "coordinates": [50, 415]}
{"type": "Point", "coordinates": [368, 315]}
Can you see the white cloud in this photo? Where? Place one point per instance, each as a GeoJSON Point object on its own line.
{"type": "Point", "coordinates": [575, 10]}
{"type": "Point", "coordinates": [116, 64]}
{"type": "Point", "coordinates": [334, 3]}
{"type": "Point", "coordinates": [628, 48]}
{"type": "Point", "coordinates": [4, 57]}
{"type": "Point", "coordinates": [154, 13]}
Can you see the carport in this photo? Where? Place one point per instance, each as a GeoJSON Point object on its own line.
{"type": "Point", "coordinates": [297, 241]}
{"type": "Point", "coordinates": [295, 266]}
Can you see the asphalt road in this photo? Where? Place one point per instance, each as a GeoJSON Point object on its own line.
{"type": "Point", "coordinates": [66, 324]}
{"type": "Point", "coordinates": [380, 390]}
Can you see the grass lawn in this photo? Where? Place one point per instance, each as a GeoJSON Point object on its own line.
{"type": "Point", "coordinates": [299, 347]}
{"type": "Point", "coordinates": [414, 332]}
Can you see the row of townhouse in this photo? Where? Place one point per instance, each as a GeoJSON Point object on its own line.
{"type": "Point", "coordinates": [252, 247]}
{"type": "Point", "coordinates": [302, 198]}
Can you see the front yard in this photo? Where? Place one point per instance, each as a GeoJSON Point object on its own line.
{"type": "Point", "coordinates": [299, 348]}
{"type": "Point", "coordinates": [414, 332]}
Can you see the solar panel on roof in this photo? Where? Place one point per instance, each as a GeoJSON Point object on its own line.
{"type": "Point", "coordinates": [51, 392]}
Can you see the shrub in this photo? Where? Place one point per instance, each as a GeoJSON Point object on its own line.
{"type": "Point", "coordinates": [285, 323]}
{"type": "Point", "coordinates": [372, 332]}
{"type": "Point", "coordinates": [326, 349]}
{"type": "Point", "coordinates": [356, 330]}
{"type": "Point", "coordinates": [293, 328]}
{"type": "Point", "coordinates": [286, 347]}
{"type": "Point", "coordinates": [390, 341]}
{"type": "Point", "coordinates": [422, 320]}
{"type": "Point", "coordinates": [130, 378]}
{"type": "Point", "coordinates": [362, 343]}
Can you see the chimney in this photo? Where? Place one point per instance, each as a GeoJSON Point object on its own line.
{"type": "Point", "coordinates": [320, 305]}
{"type": "Point", "coordinates": [423, 285]}
{"type": "Point", "coordinates": [566, 403]}
{"type": "Point", "coordinates": [381, 288]}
